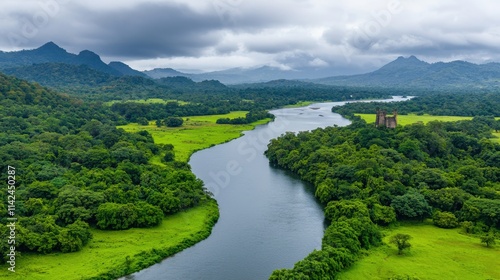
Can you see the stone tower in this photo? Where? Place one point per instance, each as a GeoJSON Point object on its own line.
{"type": "Point", "coordinates": [382, 120]}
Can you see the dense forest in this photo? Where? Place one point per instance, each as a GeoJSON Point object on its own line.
{"type": "Point", "coordinates": [439, 104]}
{"type": "Point", "coordinates": [369, 177]}
{"type": "Point", "coordinates": [76, 171]}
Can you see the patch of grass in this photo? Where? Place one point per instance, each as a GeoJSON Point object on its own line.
{"type": "Point", "coordinates": [106, 254]}
{"type": "Point", "coordinates": [497, 135]}
{"type": "Point", "coordinates": [148, 101]}
{"type": "Point", "coordinates": [300, 104]}
{"type": "Point", "coordinates": [197, 133]}
{"type": "Point", "coordinates": [435, 254]}
{"type": "Point", "coordinates": [411, 119]}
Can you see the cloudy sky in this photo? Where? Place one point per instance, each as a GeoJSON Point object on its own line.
{"type": "Point", "coordinates": [341, 36]}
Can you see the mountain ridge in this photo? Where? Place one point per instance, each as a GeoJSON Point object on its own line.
{"type": "Point", "coordinates": [403, 72]}
{"type": "Point", "coordinates": [52, 53]}
{"type": "Point", "coordinates": [412, 72]}
{"type": "Point", "coordinates": [239, 75]}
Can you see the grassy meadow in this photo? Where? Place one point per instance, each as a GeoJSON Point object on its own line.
{"type": "Point", "coordinates": [435, 254]}
{"type": "Point", "coordinates": [109, 250]}
{"type": "Point", "coordinates": [411, 119]}
{"type": "Point", "coordinates": [148, 101]}
{"type": "Point", "coordinates": [197, 133]}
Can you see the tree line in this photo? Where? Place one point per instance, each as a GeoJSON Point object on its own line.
{"type": "Point", "coordinates": [439, 104]}
{"type": "Point", "coordinates": [250, 117]}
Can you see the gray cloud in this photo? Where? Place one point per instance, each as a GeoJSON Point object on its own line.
{"type": "Point", "coordinates": [345, 36]}
{"type": "Point", "coordinates": [150, 30]}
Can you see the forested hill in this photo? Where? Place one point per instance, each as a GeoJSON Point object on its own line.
{"type": "Point", "coordinates": [367, 176]}
{"type": "Point", "coordinates": [413, 73]}
{"type": "Point", "coordinates": [439, 104]}
{"type": "Point", "coordinates": [76, 171]}
{"type": "Point", "coordinates": [61, 76]}
{"type": "Point", "coordinates": [52, 53]}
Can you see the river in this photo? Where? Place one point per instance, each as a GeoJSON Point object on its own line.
{"type": "Point", "coordinates": [269, 219]}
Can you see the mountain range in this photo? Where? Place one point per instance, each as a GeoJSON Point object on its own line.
{"type": "Point", "coordinates": [243, 75]}
{"type": "Point", "coordinates": [52, 65]}
{"type": "Point", "coordinates": [413, 73]}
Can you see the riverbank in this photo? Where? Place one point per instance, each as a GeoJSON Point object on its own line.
{"type": "Point", "coordinates": [112, 254]}
{"type": "Point", "coordinates": [197, 133]}
{"type": "Point", "coordinates": [136, 249]}
{"type": "Point", "coordinates": [263, 209]}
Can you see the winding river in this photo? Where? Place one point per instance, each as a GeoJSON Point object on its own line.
{"type": "Point", "coordinates": [269, 219]}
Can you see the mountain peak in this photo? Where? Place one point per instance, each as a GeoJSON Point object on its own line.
{"type": "Point", "coordinates": [94, 61]}
{"type": "Point", "coordinates": [89, 55]}
{"type": "Point", "coordinates": [411, 58]}
{"type": "Point", "coordinates": [402, 62]}
{"type": "Point", "coordinates": [414, 58]}
{"type": "Point", "coordinates": [50, 47]}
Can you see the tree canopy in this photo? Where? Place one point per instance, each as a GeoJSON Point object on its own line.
{"type": "Point", "coordinates": [79, 171]}
{"type": "Point", "coordinates": [367, 176]}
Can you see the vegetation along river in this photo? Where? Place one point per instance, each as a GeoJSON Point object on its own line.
{"type": "Point", "coordinates": [268, 218]}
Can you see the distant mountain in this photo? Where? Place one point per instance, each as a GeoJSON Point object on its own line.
{"type": "Point", "coordinates": [282, 83]}
{"type": "Point", "coordinates": [52, 53]}
{"type": "Point", "coordinates": [159, 73]}
{"type": "Point", "coordinates": [242, 75]}
{"type": "Point", "coordinates": [93, 60]}
{"type": "Point", "coordinates": [246, 75]}
{"type": "Point", "coordinates": [413, 73]}
{"type": "Point", "coordinates": [125, 69]}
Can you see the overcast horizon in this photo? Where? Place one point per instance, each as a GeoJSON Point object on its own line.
{"type": "Point", "coordinates": [341, 38]}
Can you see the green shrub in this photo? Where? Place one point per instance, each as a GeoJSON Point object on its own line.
{"type": "Point", "coordinates": [445, 220]}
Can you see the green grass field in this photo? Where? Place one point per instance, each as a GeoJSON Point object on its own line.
{"type": "Point", "coordinates": [411, 119]}
{"type": "Point", "coordinates": [108, 249]}
{"type": "Point", "coordinates": [148, 101]}
{"type": "Point", "coordinates": [497, 135]}
{"type": "Point", "coordinates": [435, 254]}
{"type": "Point", "coordinates": [196, 133]}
